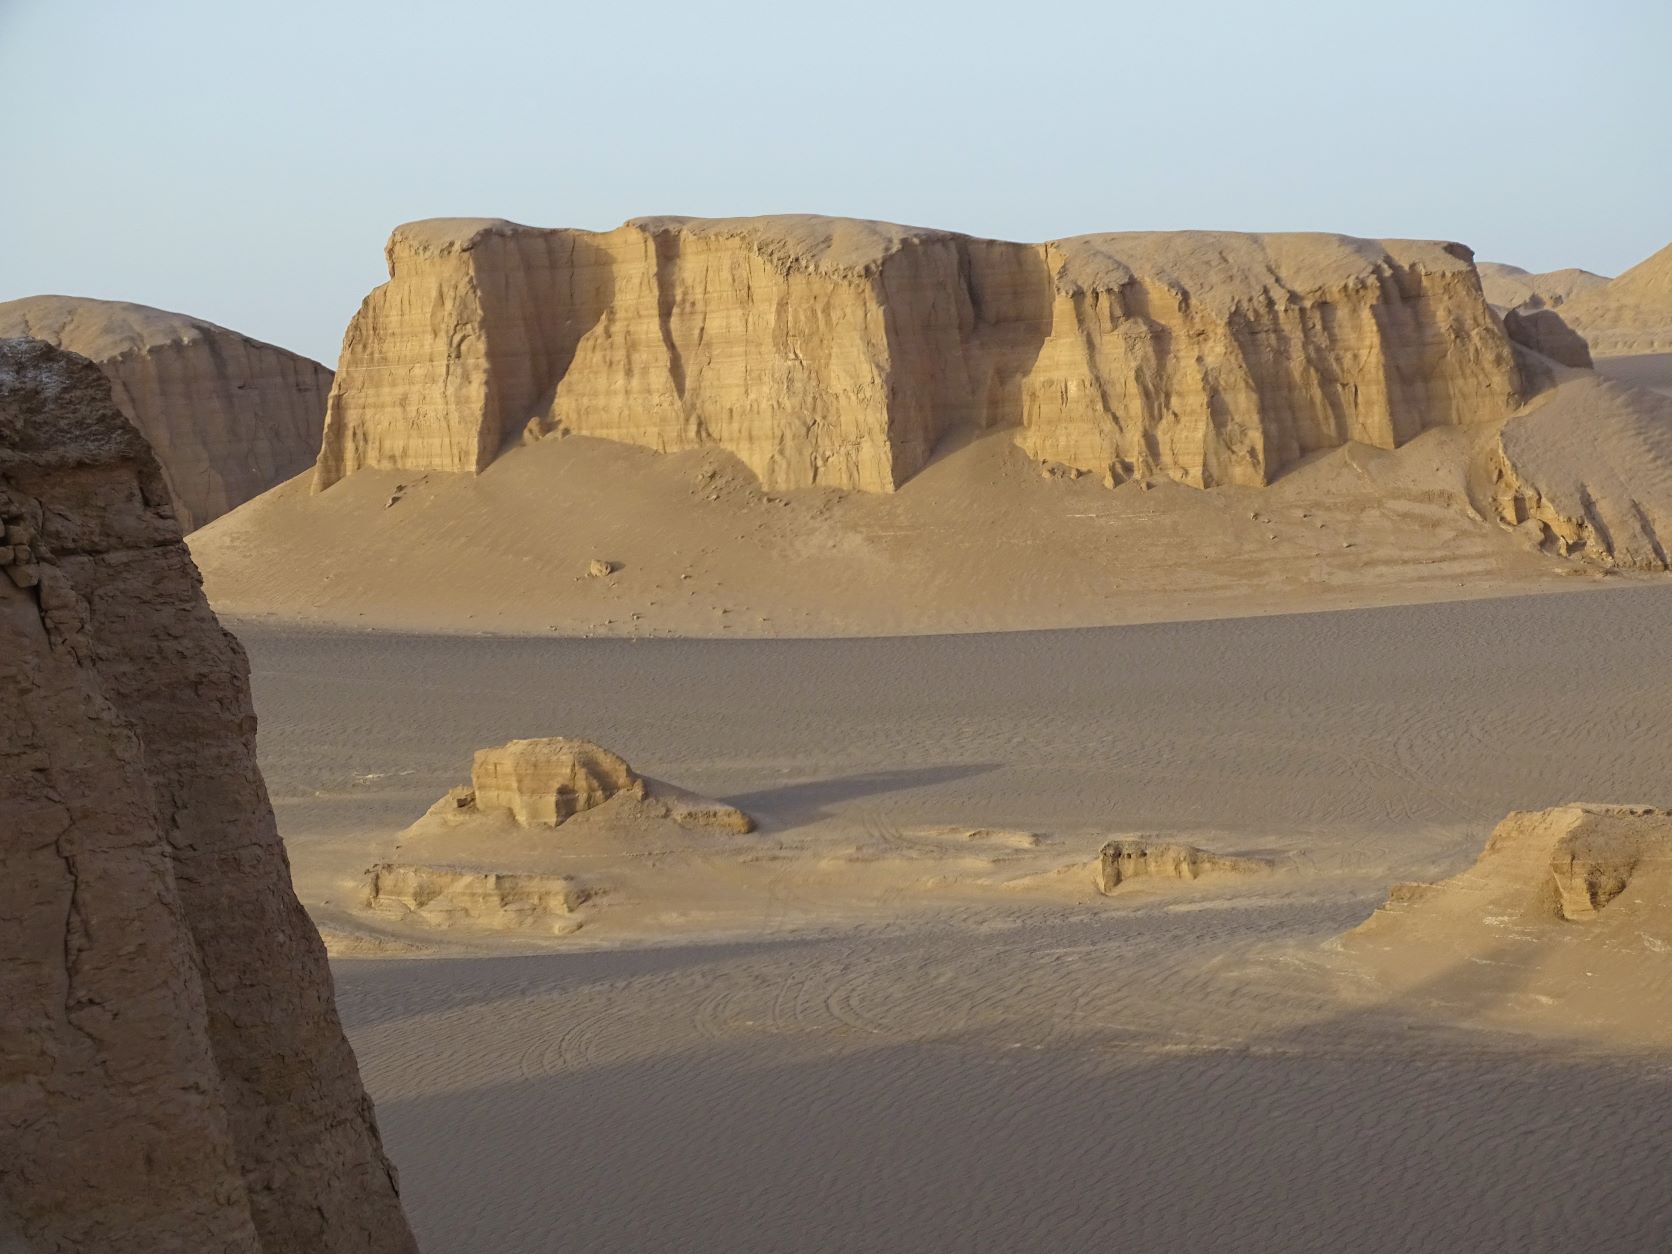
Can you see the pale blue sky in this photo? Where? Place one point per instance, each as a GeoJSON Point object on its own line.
{"type": "Point", "coordinates": [244, 161]}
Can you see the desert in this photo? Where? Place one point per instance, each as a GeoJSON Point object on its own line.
{"type": "Point", "coordinates": [689, 710]}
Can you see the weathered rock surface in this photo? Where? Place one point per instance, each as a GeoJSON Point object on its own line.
{"type": "Point", "coordinates": [1123, 860]}
{"type": "Point", "coordinates": [1543, 331]}
{"type": "Point", "coordinates": [1566, 917]}
{"type": "Point", "coordinates": [449, 897]}
{"type": "Point", "coordinates": [227, 416]}
{"type": "Point", "coordinates": [1591, 468]}
{"type": "Point", "coordinates": [1511, 287]}
{"type": "Point", "coordinates": [839, 352]}
{"type": "Point", "coordinates": [1631, 314]}
{"type": "Point", "coordinates": [173, 1075]}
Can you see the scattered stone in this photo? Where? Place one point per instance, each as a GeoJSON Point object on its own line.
{"type": "Point", "coordinates": [599, 568]}
{"type": "Point", "coordinates": [1140, 858]}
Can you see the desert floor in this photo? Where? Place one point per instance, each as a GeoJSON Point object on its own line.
{"type": "Point", "coordinates": [871, 1039]}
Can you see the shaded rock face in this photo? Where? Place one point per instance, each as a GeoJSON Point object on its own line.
{"type": "Point", "coordinates": [544, 782]}
{"type": "Point", "coordinates": [1543, 331]}
{"type": "Point", "coordinates": [227, 416]}
{"type": "Point", "coordinates": [1590, 471]}
{"type": "Point", "coordinates": [173, 1075]}
{"type": "Point", "coordinates": [1123, 860]}
{"type": "Point", "coordinates": [839, 352]}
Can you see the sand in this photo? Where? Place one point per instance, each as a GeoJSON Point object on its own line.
{"type": "Point", "coordinates": [979, 541]}
{"type": "Point", "coordinates": [883, 1037]}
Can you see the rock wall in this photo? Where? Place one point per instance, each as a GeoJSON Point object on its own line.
{"type": "Point", "coordinates": [174, 1073]}
{"type": "Point", "coordinates": [838, 352]}
{"type": "Point", "coordinates": [227, 416]}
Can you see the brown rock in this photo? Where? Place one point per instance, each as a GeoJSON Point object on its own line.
{"type": "Point", "coordinates": [839, 352]}
{"type": "Point", "coordinates": [228, 416]}
{"type": "Point", "coordinates": [175, 1076]}
{"type": "Point", "coordinates": [447, 897]}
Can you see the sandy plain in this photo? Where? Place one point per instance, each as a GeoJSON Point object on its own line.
{"type": "Point", "coordinates": [866, 1041]}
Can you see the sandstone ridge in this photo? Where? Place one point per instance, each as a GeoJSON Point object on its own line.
{"type": "Point", "coordinates": [227, 416]}
{"type": "Point", "coordinates": [1630, 314]}
{"type": "Point", "coordinates": [839, 352]}
{"type": "Point", "coordinates": [176, 1077]}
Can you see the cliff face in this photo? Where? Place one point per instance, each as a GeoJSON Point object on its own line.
{"type": "Point", "coordinates": [829, 351]}
{"type": "Point", "coordinates": [228, 416]}
{"type": "Point", "coordinates": [173, 1075]}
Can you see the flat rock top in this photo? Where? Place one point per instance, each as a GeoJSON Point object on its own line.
{"type": "Point", "coordinates": [1204, 263]}
{"type": "Point", "coordinates": [103, 329]}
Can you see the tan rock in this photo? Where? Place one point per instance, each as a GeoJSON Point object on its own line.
{"type": "Point", "coordinates": [839, 352]}
{"type": "Point", "coordinates": [598, 568]}
{"type": "Point", "coordinates": [175, 1076]}
{"type": "Point", "coordinates": [1592, 468]}
{"type": "Point", "coordinates": [1631, 314]}
{"type": "Point", "coordinates": [227, 416]}
{"type": "Point", "coordinates": [544, 782]}
{"type": "Point", "coordinates": [450, 897]}
{"type": "Point", "coordinates": [1543, 331]}
{"type": "Point", "coordinates": [1566, 917]}
{"type": "Point", "coordinates": [1511, 287]}
{"type": "Point", "coordinates": [1140, 858]}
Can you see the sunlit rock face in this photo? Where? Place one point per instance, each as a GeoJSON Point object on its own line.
{"type": "Point", "coordinates": [839, 352]}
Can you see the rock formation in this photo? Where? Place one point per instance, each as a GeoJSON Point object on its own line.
{"type": "Point", "coordinates": [1631, 314]}
{"type": "Point", "coordinates": [523, 848]}
{"type": "Point", "coordinates": [228, 416]}
{"type": "Point", "coordinates": [1591, 470]}
{"type": "Point", "coordinates": [494, 900]}
{"type": "Point", "coordinates": [1511, 287]}
{"type": "Point", "coordinates": [1544, 331]}
{"type": "Point", "coordinates": [1565, 917]}
{"type": "Point", "coordinates": [1123, 860]}
{"type": "Point", "coordinates": [838, 352]}
{"type": "Point", "coordinates": [174, 1073]}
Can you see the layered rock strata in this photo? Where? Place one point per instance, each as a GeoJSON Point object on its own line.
{"type": "Point", "coordinates": [839, 352]}
{"type": "Point", "coordinates": [173, 1075]}
{"type": "Point", "coordinates": [227, 416]}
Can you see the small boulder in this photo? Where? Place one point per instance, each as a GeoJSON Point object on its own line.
{"type": "Point", "coordinates": [1127, 859]}
{"type": "Point", "coordinates": [599, 568]}
{"type": "Point", "coordinates": [543, 782]}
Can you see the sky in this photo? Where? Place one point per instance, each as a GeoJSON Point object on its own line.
{"type": "Point", "coordinates": [244, 161]}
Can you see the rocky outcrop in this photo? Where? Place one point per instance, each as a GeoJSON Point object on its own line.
{"type": "Point", "coordinates": [227, 416]}
{"type": "Point", "coordinates": [1590, 472]}
{"type": "Point", "coordinates": [1631, 314]}
{"type": "Point", "coordinates": [1564, 922]}
{"type": "Point", "coordinates": [1511, 287]}
{"type": "Point", "coordinates": [448, 897]}
{"type": "Point", "coordinates": [838, 352]}
{"type": "Point", "coordinates": [1543, 331]}
{"type": "Point", "coordinates": [173, 1075]}
{"type": "Point", "coordinates": [1123, 860]}
{"type": "Point", "coordinates": [547, 781]}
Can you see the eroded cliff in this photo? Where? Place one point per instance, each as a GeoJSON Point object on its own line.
{"type": "Point", "coordinates": [227, 416]}
{"type": "Point", "coordinates": [173, 1075]}
{"type": "Point", "coordinates": [838, 352]}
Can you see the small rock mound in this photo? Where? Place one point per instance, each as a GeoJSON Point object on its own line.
{"type": "Point", "coordinates": [451, 896]}
{"type": "Point", "coordinates": [1129, 859]}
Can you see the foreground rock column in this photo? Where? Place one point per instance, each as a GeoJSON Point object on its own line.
{"type": "Point", "coordinates": [173, 1075]}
